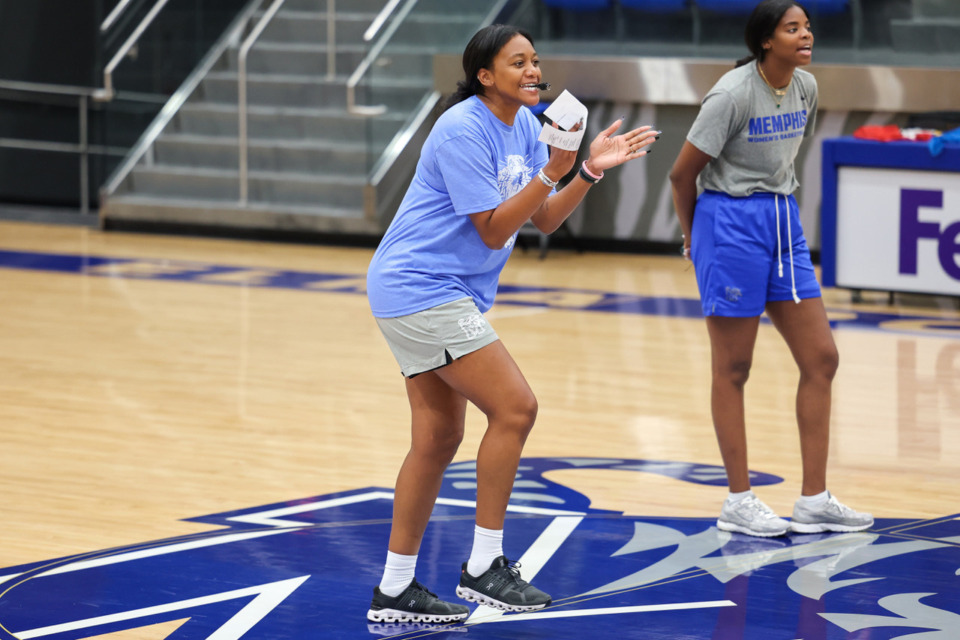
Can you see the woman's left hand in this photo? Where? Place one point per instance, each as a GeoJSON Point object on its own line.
{"type": "Point", "coordinates": [608, 151]}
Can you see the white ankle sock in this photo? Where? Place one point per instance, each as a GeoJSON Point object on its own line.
{"type": "Point", "coordinates": [487, 547]}
{"type": "Point", "coordinates": [397, 573]}
{"type": "Point", "coordinates": [740, 495]}
{"type": "Point", "coordinates": [815, 500]}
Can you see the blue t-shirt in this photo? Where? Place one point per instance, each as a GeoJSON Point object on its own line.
{"type": "Point", "coordinates": [432, 253]}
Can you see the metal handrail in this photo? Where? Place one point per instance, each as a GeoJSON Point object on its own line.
{"type": "Point", "coordinates": [242, 93]}
{"type": "Point", "coordinates": [388, 172]}
{"type": "Point", "coordinates": [357, 75]}
{"type": "Point", "coordinates": [39, 87]}
{"type": "Point", "coordinates": [83, 95]}
{"type": "Point", "coordinates": [107, 93]}
{"type": "Point", "coordinates": [396, 146]}
{"type": "Point", "coordinates": [331, 39]}
{"type": "Point", "coordinates": [113, 15]}
{"type": "Point", "coordinates": [230, 35]}
{"type": "Point", "coordinates": [369, 34]}
{"type": "Point", "coordinates": [378, 22]}
{"type": "Point", "coordinates": [61, 147]}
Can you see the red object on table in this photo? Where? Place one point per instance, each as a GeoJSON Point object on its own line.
{"type": "Point", "coordinates": [881, 133]}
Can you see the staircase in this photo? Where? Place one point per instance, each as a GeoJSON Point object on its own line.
{"type": "Point", "coordinates": [934, 28]}
{"type": "Point", "coordinates": [309, 158]}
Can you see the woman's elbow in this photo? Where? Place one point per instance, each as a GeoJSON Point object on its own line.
{"type": "Point", "coordinates": [676, 176]}
{"type": "Point", "coordinates": [489, 236]}
{"type": "Point", "coordinates": [494, 244]}
{"type": "Point", "coordinates": [544, 226]}
{"type": "Point", "coordinates": [492, 241]}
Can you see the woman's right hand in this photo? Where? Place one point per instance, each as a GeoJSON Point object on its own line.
{"type": "Point", "coordinates": [561, 161]}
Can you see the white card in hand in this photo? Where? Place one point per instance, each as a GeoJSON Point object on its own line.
{"type": "Point", "coordinates": [566, 111]}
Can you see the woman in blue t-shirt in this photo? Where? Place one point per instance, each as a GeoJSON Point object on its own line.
{"type": "Point", "coordinates": [743, 233]}
{"type": "Point", "coordinates": [482, 175]}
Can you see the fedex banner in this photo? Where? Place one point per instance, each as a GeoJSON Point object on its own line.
{"type": "Point", "coordinates": [898, 230]}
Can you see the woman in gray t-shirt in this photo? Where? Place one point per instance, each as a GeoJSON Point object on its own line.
{"type": "Point", "coordinates": [744, 236]}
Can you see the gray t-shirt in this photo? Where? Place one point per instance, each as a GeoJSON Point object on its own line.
{"type": "Point", "coordinates": [753, 143]}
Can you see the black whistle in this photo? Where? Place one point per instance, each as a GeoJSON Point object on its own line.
{"type": "Point", "coordinates": [543, 86]}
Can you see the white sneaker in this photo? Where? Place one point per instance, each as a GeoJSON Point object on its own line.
{"type": "Point", "coordinates": [751, 516]}
{"type": "Point", "coordinates": [832, 515]}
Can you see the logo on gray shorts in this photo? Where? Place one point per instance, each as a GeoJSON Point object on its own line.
{"type": "Point", "coordinates": [473, 326]}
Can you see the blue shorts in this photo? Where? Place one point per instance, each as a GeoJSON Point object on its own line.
{"type": "Point", "coordinates": [734, 253]}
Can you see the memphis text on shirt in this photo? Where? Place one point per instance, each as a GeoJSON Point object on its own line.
{"type": "Point", "coordinates": [779, 127]}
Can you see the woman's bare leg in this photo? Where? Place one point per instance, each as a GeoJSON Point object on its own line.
{"type": "Point", "coordinates": [731, 346]}
{"type": "Point", "coordinates": [806, 330]}
{"type": "Point", "coordinates": [491, 380]}
{"type": "Point", "coordinates": [438, 414]}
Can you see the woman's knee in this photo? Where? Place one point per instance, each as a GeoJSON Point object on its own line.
{"type": "Point", "coordinates": [527, 411]}
{"type": "Point", "coordinates": [735, 372]}
{"type": "Point", "coordinates": [517, 414]}
{"type": "Point", "coordinates": [823, 364]}
{"type": "Point", "coordinates": [438, 445]}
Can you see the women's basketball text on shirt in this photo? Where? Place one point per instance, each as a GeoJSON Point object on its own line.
{"type": "Point", "coordinates": [779, 127]}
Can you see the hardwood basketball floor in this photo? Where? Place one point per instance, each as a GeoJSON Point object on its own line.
{"type": "Point", "coordinates": [184, 377]}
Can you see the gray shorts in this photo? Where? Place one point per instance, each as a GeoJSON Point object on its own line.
{"type": "Point", "coordinates": [435, 337]}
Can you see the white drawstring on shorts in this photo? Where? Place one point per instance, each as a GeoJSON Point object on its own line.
{"type": "Point", "coordinates": [793, 277]}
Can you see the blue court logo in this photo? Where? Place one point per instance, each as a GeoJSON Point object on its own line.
{"type": "Point", "coordinates": [306, 568]}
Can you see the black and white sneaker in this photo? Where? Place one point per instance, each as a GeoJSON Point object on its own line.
{"type": "Point", "coordinates": [422, 629]}
{"type": "Point", "coordinates": [415, 604]}
{"type": "Point", "coordinates": [501, 587]}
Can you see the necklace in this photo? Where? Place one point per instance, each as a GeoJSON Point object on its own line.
{"type": "Point", "coordinates": [778, 94]}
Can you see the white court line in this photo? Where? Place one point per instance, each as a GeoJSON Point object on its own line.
{"type": "Point", "coordinates": [533, 560]}
{"type": "Point", "coordinates": [273, 517]}
{"type": "Point", "coordinates": [268, 597]}
{"type": "Point", "coordinates": [512, 508]}
{"type": "Point", "coordinates": [149, 552]}
{"type": "Point", "coordinates": [577, 613]}
{"type": "Point", "coordinates": [270, 518]}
